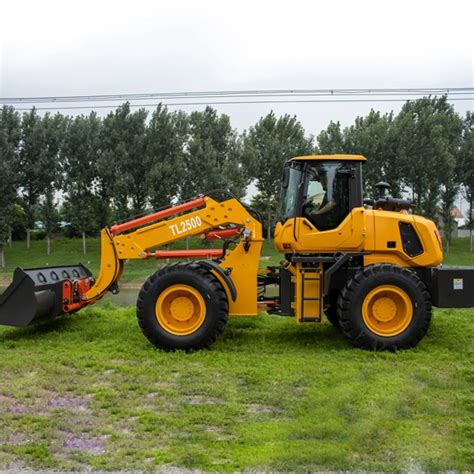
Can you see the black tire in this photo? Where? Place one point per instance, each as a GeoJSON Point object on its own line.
{"type": "Point", "coordinates": [331, 311]}
{"type": "Point", "coordinates": [210, 289]}
{"type": "Point", "coordinates": [352, 297]}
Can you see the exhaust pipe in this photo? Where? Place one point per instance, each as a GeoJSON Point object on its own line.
{"type": "Point", "coordinates": [43, 293]}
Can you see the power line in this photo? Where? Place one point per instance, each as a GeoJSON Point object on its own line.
{"type": "Point", "coordinates": [241, 94]}
{"type": "Point", "coordinates": [411, 94]}
{"type": "Point", "coordinates": [112, 106]}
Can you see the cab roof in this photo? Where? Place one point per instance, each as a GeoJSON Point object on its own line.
{"type": "Point", "coordinates": [329, 157]}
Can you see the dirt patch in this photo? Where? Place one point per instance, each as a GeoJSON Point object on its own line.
{"type": "Point", "coordinates": [18, 466]}
{"type": "Point", "coordinates": [201, 400]}
{"type": "Point", "coordinates": [258, 408]}
{"type": "Point", "coordinates": [10, 405]}
{"type": "Point", "coordinates": [45, 402]}
{"type": "Point", "coordinates": [220, 434]}
{"type": "Point", "coordinates": [71, 403]}
{"type": "Point", "coordinates": [179, 470]}
{"type": "Point", "coordinates": [126, 425]}
{"type": "Point", "coordinates": [17, 439]}
{"type": "Point", "coordinates": [18, 408]}
{"type": "Point", "coordinates": [85, 443]}
{"type": "Point", "coordinates": [32, 406]}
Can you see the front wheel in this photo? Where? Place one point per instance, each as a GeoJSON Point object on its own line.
{"type": "Point", "coordinates": [182, 306]}
{"type": "Point", "coordinates": [384, 307]}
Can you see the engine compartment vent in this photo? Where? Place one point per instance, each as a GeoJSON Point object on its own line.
{"type": "Point", "coordinates": [410, 241]}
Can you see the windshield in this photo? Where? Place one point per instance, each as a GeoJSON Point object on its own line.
{"type": "Point", "coordinates": [289, 192]}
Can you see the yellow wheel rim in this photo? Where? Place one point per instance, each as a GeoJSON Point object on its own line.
{"type": "Point", "coordinates": [180, 310]}
{"type": "Point", "coordinates": [387, 310]}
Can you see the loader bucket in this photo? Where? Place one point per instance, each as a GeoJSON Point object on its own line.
{"type": "Point", "coordinates": [37, 293]}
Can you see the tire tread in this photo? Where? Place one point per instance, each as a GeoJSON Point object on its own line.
{"type": "Point", "coordinates": [221, 308]}
{"type": "Point", "coordinates": [345, 308]}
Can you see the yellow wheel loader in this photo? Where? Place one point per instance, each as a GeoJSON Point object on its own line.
{"type": "Point", "coordinates": [372, 267]}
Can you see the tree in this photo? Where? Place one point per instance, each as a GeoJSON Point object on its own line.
{"type": "Point", "coordinates": [105, 183]}
{"type": "Point", "coordinates": [428, 132]}
{"type": "Point", "coordinates": [47, 210]}
{"type": "Point", "coordinates": [331, 140]}
{"type": "Point", "coordinates": [268, 145]}
{"type": "Point", "coordinates": [372, 137]}
{"type": "Point", "coordinates": [166, 137]}
{"type": "Point", "coordinates": [213, 159]}
{"type": "Point", "coordinates": [52, 131]}
{"type": "Point", "coordinates": [123, 163]}
{"type": "Point", "coordinates": [79, 156]}
{"type": "Point", "coordinates": [466, 169]}
{"type": "Point", "coordinates": [9, 142]}
{"type": "Point", "coordinates": [18, 222]}
{"type": "Point", "coordinates": [31, 173]}
{"type": "Point", "coordinates": [450, 189]}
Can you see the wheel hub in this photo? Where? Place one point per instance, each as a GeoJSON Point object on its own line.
{"type": "Point", "coordinates": [180, 310]}
{"type": "Point", "coordinates": [387, 310]}
{"type": "Point", "coordinates": [384, 309]}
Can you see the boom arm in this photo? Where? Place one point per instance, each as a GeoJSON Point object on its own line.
{"type": "Point", "coordinates": [205, 214]}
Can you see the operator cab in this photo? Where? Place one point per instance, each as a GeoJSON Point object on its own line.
{"type": "Point", "coordinates": [323, 189]}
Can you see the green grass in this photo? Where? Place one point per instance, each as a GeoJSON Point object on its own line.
{"type": "Point", "coordinates": [89, 392]}
{"type": "Point", "coordinates": [459, 253]}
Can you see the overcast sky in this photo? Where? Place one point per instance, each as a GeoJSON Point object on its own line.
{"type": "Point", "coordinates": [105, 47]}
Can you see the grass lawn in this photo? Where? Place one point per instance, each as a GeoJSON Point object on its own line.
{"type": "Point", "coordinates": [459, 253]}
{"type": "Point", "coordinates": [88, 391]}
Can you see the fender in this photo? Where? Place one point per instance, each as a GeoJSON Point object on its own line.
{"type": "Point", "coordinates": [214, 267]}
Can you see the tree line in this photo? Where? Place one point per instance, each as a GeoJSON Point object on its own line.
{"type": "Point", "coordinates": [85, 172]}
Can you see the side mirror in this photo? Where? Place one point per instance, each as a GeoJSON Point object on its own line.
{"type": "Point", "coordinates": [285, 179]}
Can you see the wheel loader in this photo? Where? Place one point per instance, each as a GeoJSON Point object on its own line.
{"type": "Point", "coordinates": [373, 268]}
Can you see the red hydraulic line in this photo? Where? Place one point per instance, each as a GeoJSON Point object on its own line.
{"type": "Point", "coordinates": [171, 211]}
{"type": "Point", "coordinates": [222, 233]}
{"type": "Point", "coordinates": [205, 253]}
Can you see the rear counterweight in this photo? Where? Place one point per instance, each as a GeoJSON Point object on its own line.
{"type": "Point", "coordinates": [451, 287]}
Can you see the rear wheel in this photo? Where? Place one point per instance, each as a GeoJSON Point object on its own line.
{"type": "Point", "coordinates": [182, 306]}
{"type": "Point", "coordinates": [384, 307]}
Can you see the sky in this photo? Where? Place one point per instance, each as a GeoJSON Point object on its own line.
{"type": "Point", "coordinates": [53, 48]}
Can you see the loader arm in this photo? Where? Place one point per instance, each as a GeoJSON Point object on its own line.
{"type": "Point", "coordinates": [44, 293]}
{"type": "Point", "coordinates": [138, 239]}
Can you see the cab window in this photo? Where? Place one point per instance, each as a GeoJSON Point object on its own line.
{"type": "Point", "coordinates": [289, 191]}
{"type": "Point", "coordinates": [326, 195]}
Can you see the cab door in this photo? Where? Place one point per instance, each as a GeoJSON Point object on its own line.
{"type": "Point", "coordinates": [331, 217]}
